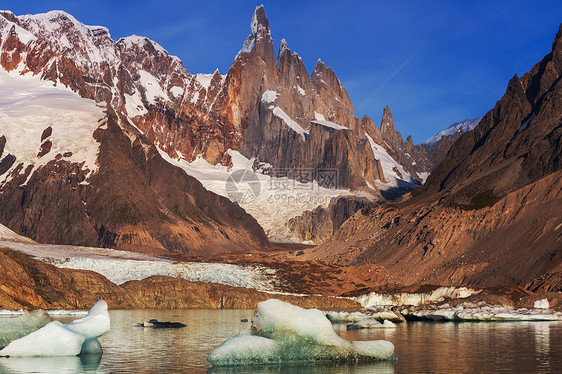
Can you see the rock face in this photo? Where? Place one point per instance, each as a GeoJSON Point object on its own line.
{"type": "Point", "coordinates": [319, 224]}
{"type": "Point", "coordinates": [31, 284]}
{"type": "Point", "coordinates": [490, 213]}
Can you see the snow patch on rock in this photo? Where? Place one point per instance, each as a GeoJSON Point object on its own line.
{"type": "Point", "coordinates": [394, 173]}
{"type": "Point", "coordinates": [272, 208]}
{"type": "Point", "coordinates": [29, 105]}
{"type": "Point", "coordinates": [278, 112]}
{"type": "Point", "coordinates": [269, 96]}
{"type": "Point", "coordinates": [8, 235]}
{"type": "Point", "coordinates": [329, 124]}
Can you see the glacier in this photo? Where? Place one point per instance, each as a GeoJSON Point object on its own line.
{"type": "Point", "coordinates": [122, 266]}
{"type": "Point", "coordinates": [57, 339]}
{"type": "Point", "coordinates": [284, 333]}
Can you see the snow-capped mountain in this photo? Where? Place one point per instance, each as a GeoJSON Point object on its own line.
{"type": "Point", "coordinates": [270, 111]}
{"type": "Point", "coordinates": [205, 115]}
{"type": "Point", "coordinates": [454, 129]}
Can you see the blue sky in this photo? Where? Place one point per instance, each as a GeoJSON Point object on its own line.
{"type": "Point", "coordinates": [432, 62]}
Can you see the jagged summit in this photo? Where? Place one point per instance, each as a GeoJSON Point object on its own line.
{"type": "Point", "coordinates": [259, 40]}
{"type": "Point", "coordinates": [260, 24]}
{"type": "Point", "coordinates": [387, 121]}
{"type": "Point", "coordinates": [457, 127]}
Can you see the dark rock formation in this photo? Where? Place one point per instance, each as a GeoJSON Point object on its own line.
{"type": "Point", "coordinates": [319, 224]}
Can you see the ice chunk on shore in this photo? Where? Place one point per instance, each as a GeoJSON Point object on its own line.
{"type": "Point", "coordinates": [284, 333]}
{"type": "Point", "coordinates": [380, 315]}
{"type": "Point", "coordinates": [481, 312]}
{"type": "Point", "coordinates": [370, 323]}
{"type": "Point", "coordinates": [13, 328]}
{"type": "Point", "coordinates": [56, 339]}
{"type": "Point", "coordinates": [541, 304]}
{"type": "Point", "coordinates": [51, 340]}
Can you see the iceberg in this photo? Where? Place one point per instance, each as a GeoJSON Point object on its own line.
{"type": "Point", "coordinates": [380, 314]}
{"type": "Point", "coordinates": [57, 339]}
{"type": "Point", "coordinates": [284, 333]}
{"type": "Point", "coordinates": [94, 324]}
{"type": "Point", "coordinates": [13, 328]}
{"type": "Point", "coordinates": [541, 304]}
{"type": "Point", "coordinates": [51, 340]}
{"type": "Point", "coordinates": [370, 323]}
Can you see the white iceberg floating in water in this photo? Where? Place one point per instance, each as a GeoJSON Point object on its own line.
{"type": "Point", "coordinates": [57, 339]}
{"type": "Point", "coordinates": [52, 340]}
{"type": "Point", "coordinates": [94, 324]}
{"type": "Point", "coordinates": [285, 333]}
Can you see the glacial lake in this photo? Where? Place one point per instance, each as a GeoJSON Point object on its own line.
{"type": "Point", "coordinates": [420, 347]}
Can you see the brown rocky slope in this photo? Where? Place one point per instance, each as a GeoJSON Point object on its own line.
{"type": "Point", "coordinates": [490, 213]}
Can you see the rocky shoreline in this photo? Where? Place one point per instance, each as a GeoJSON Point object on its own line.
{"type": "Point", "coordinates": [27, 283]}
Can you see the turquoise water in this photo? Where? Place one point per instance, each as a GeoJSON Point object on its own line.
{"type": "Point", "coordinates": [420, 347]}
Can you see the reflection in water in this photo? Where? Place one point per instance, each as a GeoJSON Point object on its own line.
{"type": "Point", "coordinates": [338, 368]}
{"type": "Point", "coordinates": [542, 343]}
{"type": "Point", "coordinates": [525, 347]}
{"type": "Point", "coordinates": [55, 365]}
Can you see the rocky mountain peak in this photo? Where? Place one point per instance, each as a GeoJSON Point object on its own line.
{"type": "Point", "coordinates": [259, 42]}
{"type": "Point", "coordinates": [387, 122]}
{"type": "Point", "coordinates": [291, 70]}
{"type": "Point", "coordinates": [388, 130]}
{"type": "Point", "coordinates": [325, 79]}
{"type": "Point", "coordinates": [260, 24]}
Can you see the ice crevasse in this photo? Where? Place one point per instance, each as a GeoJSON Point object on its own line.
{"type": "Point", "coordinates": [57, 339]}
{"type": "Point", "coordinates": [285, 333]}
